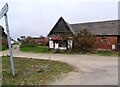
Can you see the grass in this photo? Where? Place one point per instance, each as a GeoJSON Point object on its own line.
{"type": "Point", "coordinates": [101, 53]}
{"type": "Point", "coordinates": [107, 53]}
{"type": "Point", "coordinates": [44, 49]}
{"type": "Point", "coordinates": [41, 49]}
{"type": "Point", "coordinates": [3, 48]}
{"type": "Point", "coordinates": [32, 71]}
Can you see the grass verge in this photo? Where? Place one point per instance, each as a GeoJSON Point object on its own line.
{"type": "Point", "coordinates": [107, 53]}
{"type": "Point", "coordinates": [32, 71]}
{"type": "Point", "coordinates": [41, 49]}
{"type": "Point", "coordinates": [44, 49]}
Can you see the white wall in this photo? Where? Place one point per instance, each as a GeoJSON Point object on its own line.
{"type": "Point", "coordinates": [51, 45]}
{"type": "Point", "coordinates": [70, 43]}
{"type": "Point", "coordinates": [56, 46]}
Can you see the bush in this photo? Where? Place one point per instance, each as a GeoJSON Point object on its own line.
{"type": "Point", "coordinates": [4, 44]}
{"type": "Point", "coordinates": [3, 39]}
{"type": "Point", "coordinates": [84, 41]}
{"type": "Point", "coordinates": [28, 42]}
{"type": "Point", "coordinates": [4, 47]}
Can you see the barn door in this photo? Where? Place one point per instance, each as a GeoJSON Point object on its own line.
{"type": "Point", "coordinates": [56, 45]}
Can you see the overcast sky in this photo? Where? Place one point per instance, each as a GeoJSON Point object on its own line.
{"type": "Point", "coordinates": [37, 17]}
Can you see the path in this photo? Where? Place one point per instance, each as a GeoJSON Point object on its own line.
{"type": "Point", "coordinates": [90, 69]}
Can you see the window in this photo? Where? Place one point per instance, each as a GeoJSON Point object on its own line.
{"type": "Point", "coordinates": [103, 40]}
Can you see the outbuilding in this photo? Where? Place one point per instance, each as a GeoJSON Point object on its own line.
{"type": "Point", "coordinates": [107, 34]}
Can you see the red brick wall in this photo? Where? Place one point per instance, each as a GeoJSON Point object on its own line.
{"type": "Point", "coordinates": [111, 40]}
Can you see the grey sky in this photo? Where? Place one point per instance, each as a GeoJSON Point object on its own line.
{"type": "Point", "coordinates": [37, 17]}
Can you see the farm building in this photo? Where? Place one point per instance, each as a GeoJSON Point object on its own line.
{"type": "Point", "coordinates": [107, 36]}
{"type": "Point", "coordinates": [40, 40]}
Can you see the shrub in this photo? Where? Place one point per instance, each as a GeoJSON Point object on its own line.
{"type": "Point", "coordinates": [28, 42]}
{"type": "Point", "coordinates": [4, 43]}
{"type": "Point", "coordinates": [83, 41]}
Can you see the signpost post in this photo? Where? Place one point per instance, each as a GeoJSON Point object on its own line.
{"type": "Point", "coordinates": [4, 13]}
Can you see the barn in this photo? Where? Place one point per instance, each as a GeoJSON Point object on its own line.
{"type": "Point", "coordinates": [107, 36]}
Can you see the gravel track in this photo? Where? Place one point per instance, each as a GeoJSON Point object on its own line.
{"type": "Point", "coordinates": [90, 69]}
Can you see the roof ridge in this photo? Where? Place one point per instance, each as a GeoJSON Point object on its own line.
{"type": "Point", "coordinates": [93, 22]}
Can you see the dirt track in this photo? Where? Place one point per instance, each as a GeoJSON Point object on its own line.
{"type": "Point", "coordinates": [90, 69]}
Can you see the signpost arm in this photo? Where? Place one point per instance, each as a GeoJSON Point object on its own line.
{"type": "Point", "coordinates": [9, 43]}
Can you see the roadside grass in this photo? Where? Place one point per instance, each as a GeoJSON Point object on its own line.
{"type": "Point", "coordinates": [107, 53]}
{"type": "Point", "coordinates": [101, 53]}
{"type": "Point", "coordinates": [32, 71]}
{"type": "Point", "coordinates": [41, 49]}
{"type": "Point", "coordinates": [45, 49]}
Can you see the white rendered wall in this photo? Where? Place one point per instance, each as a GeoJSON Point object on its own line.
{"type": "Point", "coordinates": [70, 43]}
{"type": "Point", "coordinates": [56, 46]}
{"type": "Point", "coordinates": [51, 45]}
